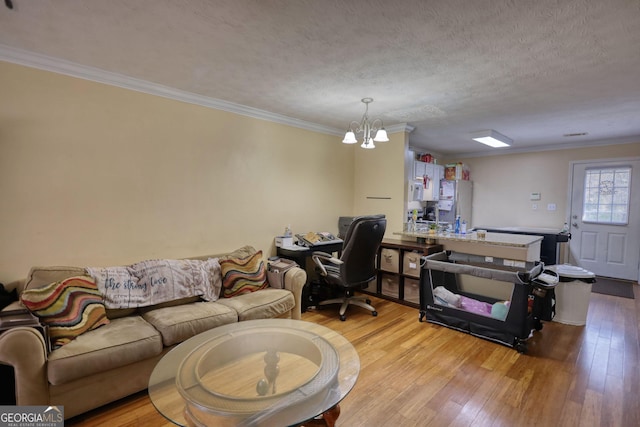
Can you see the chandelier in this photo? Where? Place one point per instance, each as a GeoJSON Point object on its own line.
{"type": "Point", "coordinates": [366, 128]}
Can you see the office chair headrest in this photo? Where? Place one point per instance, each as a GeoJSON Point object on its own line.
{"type": "Point", "coordinates": [359, 219]}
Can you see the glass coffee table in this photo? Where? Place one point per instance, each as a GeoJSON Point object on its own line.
{"type": "Point", "coordinates": [255, 373]}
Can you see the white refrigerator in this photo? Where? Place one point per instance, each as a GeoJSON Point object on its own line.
{"type": "Point", "coordinates": [455, 199]}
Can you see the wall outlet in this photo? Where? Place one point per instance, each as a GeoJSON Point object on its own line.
{"type": "Point", "coordinates": [551, 207]}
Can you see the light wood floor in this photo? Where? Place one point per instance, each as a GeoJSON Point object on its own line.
{"type": "Point", "coordinates": [420, 374]}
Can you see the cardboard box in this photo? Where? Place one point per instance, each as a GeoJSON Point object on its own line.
{"type": "Point", "coordinates": [460, 171]}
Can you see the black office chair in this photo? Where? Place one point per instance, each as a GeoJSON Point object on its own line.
{"type": "Point", "coordinates": [356, 266]}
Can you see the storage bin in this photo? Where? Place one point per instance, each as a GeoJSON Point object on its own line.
{"type": "Point", "coordinates": [372, 286]}
{"type": "Point", "coordinates": [572, 293]}
{"type": "Point", "coordinates": [411, 264]}
{"type": "Point", "coordinates": [412, 290]}
{"type": "Point", "coordinates": [390, 286]}
{"type": "Point", "coordinates": [389, 260]}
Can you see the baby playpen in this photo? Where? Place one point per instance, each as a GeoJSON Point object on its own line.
{"type": "Point", "coordinates": [528, 297]}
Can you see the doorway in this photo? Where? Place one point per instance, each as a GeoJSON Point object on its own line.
{"type": "Point", "coordinates": [605, 217]}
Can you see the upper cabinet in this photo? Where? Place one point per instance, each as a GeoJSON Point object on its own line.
{"type": "Point", "coordinates": [430, 174]}
{"type": "Point", "coordinates": [419, 169]}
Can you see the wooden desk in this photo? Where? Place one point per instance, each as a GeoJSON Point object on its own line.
{"type": "Point", "coordinates": [301, 255]}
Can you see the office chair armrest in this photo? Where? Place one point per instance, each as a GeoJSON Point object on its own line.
{"type": "Point", "coordinates": [318, 257]}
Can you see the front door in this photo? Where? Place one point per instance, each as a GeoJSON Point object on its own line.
{"type": "Point", "coordinates": [605, 217]}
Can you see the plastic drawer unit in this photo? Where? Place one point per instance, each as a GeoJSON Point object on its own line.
{"type": "Point", "coordinates": [508, 319]}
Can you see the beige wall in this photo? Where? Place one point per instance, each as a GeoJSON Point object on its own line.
{"type": "Point", "coordinates": [92, 174]}
{"type": "Point", "coordinates": [379, 181]}
{"type": "Point", "coordinates": [97, 175]}
{"type": "Point", "coordinates": [502, 184]}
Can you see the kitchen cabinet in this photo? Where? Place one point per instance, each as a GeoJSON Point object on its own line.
{"type": "Point", "coordinates": [398, 271]}
{"type": "Point", "coordinates": [434, 174]}
{"type": "Point", "coordinates": [419, 169]}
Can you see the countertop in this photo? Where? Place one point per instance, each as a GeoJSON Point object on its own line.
{"type": "Point", "coordinates": [500, 239]}
{"type": "Point", "coordinates": [527, 230]}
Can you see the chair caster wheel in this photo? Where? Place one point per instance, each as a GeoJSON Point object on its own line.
{"type": "Point", "coordinates": [343, 317]}
{"type": "Point", "coordinates": [521, 347]}
{"type": "Point", "coordinates": [374, 313]}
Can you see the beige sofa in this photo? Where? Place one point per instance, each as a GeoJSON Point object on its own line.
{"type": "Point", "coordinates": [116, 360]}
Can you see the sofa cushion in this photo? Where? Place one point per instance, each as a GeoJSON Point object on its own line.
{"type": "Point", "coordinates": [121, 342]}
{"type": "Point", "coordinates": [70, 307]}
{"type": "Point", "coordinates": [265, 304]}
{"type": "Point", "coordinates": [243, 275]}
{"type": "Point", "coordinates": [181, 322]}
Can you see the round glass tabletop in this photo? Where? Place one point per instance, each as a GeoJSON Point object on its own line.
{"type": "Point", "coordinates": [258, 372]}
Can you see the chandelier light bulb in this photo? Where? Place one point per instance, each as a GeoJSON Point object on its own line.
{"type": "Point", "coordinates": [381, 136]}
{"type": "Point", "coordinates": [349, 138]}
{"type": "Point", "coordinates": [368, 144]}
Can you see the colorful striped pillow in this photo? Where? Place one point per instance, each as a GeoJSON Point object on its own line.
{"type": "Point", "coordinates": [69, 307]}
{"type": "Point", "coordinates": [243, 275]}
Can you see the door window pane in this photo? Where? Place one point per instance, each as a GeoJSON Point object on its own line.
{"type": "Point", "coordinates": [606, 195]}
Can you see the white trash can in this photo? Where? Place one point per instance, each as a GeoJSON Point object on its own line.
{"type": "Point", "coordinates": [572, 293]}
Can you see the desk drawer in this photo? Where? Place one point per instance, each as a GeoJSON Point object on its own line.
{"type": "Point", "coordinates": [411, 264]}
{"type": "Point", "coordinates": [389, 260]}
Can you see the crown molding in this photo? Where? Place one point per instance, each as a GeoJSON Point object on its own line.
{"type": "Point", "coordinates": [60, 66]}
{"type": "Point", "coordinates": [402, 127]}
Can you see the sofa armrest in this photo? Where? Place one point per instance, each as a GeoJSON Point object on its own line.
{"type": "Point", "coordinates": [24, 349]}
{"type": "Point", "coordinates": [294, 280]}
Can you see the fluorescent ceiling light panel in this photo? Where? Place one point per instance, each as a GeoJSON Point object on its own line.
{"type": "Point", "coordinates": [492, 138]}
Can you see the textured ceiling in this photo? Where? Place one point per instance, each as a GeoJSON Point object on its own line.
{"type": "Point", "coordinates": [532, 70]}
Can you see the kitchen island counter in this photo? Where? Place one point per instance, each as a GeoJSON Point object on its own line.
{"type": "Point", "coordinates": [518, 247]}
